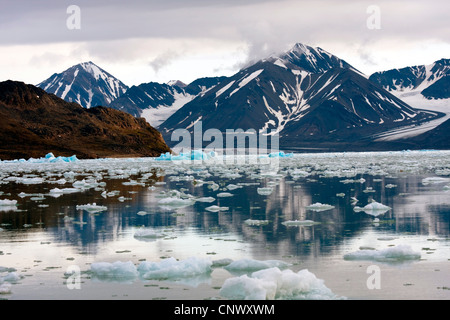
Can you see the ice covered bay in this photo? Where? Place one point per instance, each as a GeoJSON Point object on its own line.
{"type": "Point", "coordinates": [150, 229]}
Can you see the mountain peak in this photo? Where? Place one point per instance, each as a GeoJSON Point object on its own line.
{"type": "Point", "coordinates": [177, 83]}
{"type": "Point", "coordinates": [311, 59]}
{"type": "Point", "coordinates": [86, 84]}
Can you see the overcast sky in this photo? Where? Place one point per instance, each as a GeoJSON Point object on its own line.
{"type": "Point", "coordinates": [147, 40]}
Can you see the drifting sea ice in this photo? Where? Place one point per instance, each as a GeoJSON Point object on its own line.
{"type": "Point", "coordinates": [374, 208]}
{"type": "Point", "coordinates": [173, 269]}
{"type": "Point", "coordinates": [91, 208]}
{"type": "Point", "coordinates": [254, 222]}
{"type": "Point", "coordinates": [274, 284]}
{"type": "Point", "coordinates": [293, 223]}
{"type": "Point", "coordinates": [216, 208]}
{"type": "Point", "coordinates": [249, 265]}
{"type": "Point", "coordinates": [398, 253]}
{"type": "Point", "coordinates": [264, 191]}
{"type": "Point", "coordinates": [116, 271]}
{"type": "Point", "coordinates": [8, 203]}
{"type": "Point", "coordinates": [319, 207]}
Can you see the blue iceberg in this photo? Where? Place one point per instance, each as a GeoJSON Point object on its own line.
{"type": "Point", "coordinates": [49, 158]}
{"type": "Point", "coordinates": [193, 155]}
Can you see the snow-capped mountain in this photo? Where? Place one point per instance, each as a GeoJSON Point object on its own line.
{"type": "Point", "coordinates": [313, 60]}
{"type": "Point", "coordinates": [157, 101]}
{"type": "Point", "coordinates": [431, 81]}
{"type": "Point", "coordinates": [307, 95]}
{"type": "Point", "coordinates": [86, 84]}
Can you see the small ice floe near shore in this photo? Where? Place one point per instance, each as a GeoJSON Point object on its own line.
{"type": "Point", "coordinates": [249, 265]}
{"type": "Point", "coordinates": [319, 207]}
{"type": "Point", "coordinates": [148, 234]}
{"type": "Point", "coordinates": [255, 222]}
{"type": "Point", "coordinates": [8, 203]}
{"type": "Point", "coordinates": [266, 191]}
{"type": "Point", "coordinates": [275, 284]}
{"type": "Point", "coordinates": [434, 180]}
{"type": "Point", "coordinates": [92, 208]}
{"type": "Point", "coordinates": [295, 223]}
{"type": "Point", "coordinates": [216, 208]}
{"type": "Point", "coordinates": [8, 276]}
{"type": "Point", "coordinates": [398, 253]}
{"type": "Point", "coordinates": [374, 208]}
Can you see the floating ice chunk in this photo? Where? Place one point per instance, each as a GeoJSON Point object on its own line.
{"type": "Point", "coordinates": [434, 180]}
{"type": "Point", "coordinates": [148, 234]}
{"type": "Point", "coordinates": [205, 199]}
{"type": "Point", "coordinates": [233, 187]}
{"type": "Point", "coordinates": [92, 208]}
{"type": "Point", "coordinates": [374, 208]}
{"type": "Point", "coordinates": [224, 195]}
{"type": "Point", "coordinates": [48, 158]}
{"type": "Point", "coordinates": [255, 222]}
{"type": "Point", "coordinates": [119, 271]}
{"type": "Point", "coordinates": [5, 288]}
{"type": "Point", "coordinates": [319, 207]}
{"type": "Point", "coordinates": [274, 284]}
{"type": "Point", "coordinates": [392, 254]}
{"type": "Point", "coordinates": [292, 223]}
{"type": "Point", "coordinates": [8, 203]}
{"type": "Point", "coordinates": [249, 265]}
{"type": "Point", "coordinates": [173, 269]}
{"type": "Point", "coordinates": [390, 186]}
{"type": "Point", "coordinates": [280, 154]}
{"type": "Point", "coordinates": [193, 155]}
{"type": "Point", "coordinates": [216, 208]}
{"type": "Point", "coordinates": [221, 262]}
{"type": "Point", "coordinates": [447, 187]}
{"type": "Point", "coordinates": [265, 191]}
{"type": "Point", "coordinates": [176, 202]}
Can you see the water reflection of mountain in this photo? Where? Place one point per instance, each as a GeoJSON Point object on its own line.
{"type": "Point", "coordinates": [415, 208]}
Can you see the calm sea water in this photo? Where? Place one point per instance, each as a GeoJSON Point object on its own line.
{"type": "Point", "coordinates": [154, 210]}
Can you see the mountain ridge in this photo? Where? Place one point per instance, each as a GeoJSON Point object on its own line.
{"type": "Point", "coordinates": [34, 122]}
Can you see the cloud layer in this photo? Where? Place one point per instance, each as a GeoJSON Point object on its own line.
{"type": "Point", "coordinates": [158, 34]}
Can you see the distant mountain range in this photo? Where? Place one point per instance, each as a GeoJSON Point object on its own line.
{"type": "Point", "coordinates": [431, 81]}
{"type": "Point", "coordinates": [310, 97]}
{"type": "Point", "coordinates": [34, 122]}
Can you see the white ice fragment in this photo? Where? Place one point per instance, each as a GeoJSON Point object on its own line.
{"type": "Point", "coordinates": [176, 202]}
{"type": "Point", "coordinates": [5, 288]}
{"type": "Point", "coordinates": [265, 191]}
{"type": "Point", "coordinates": [319, 207]}
{"type": "Point", "coordinates": [8, 203]}
{"type": "Point", "coordinates": [224, 195]}
{"type": "Point", "coordinates": [292, 223]}
{"type": "Point", "coordinates": [92, 208]}
{"type": "Point", "coordinates": [114, 271]}
{"type": "Point", "coordinates": [205, 199]}
{"type": "Point", "coordinates": [272, 283]}
{"type": "Point", "coordinates": [434, 180]}
{"type": "Point", "coordinates": [173, 269]}
{"type": "Point", "coordinates": [248, 265]}
{"type": "Point", "coordinates": [216, 208]}
{"type": "Point", "coordinates": [148, 234]}
{"type": "Point", "coordinates": [391, 254]}
{"type": "Point", "coordinates": [255, 222]}
{"type": "Point", "coordinates": [374, 208]}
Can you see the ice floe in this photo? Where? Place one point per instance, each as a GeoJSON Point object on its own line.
{"type": "Point", "coordinates": [249, 265]}
{"type": "Point", "coordinates": [91, 208]}
{"type": "Point", "coordinates": [49, 158]}
{"type": "Point", "coordinates": [398, 253]}
{"type": "Point", "coordinates": [319, 207]}
{"type": "Point", "coordinates": [276, 284]}
{"type": "Point", "coordinates": [173, 269]}
{"type": "Point", "coordinates": [293, 223]}
{"type": "Point", "coordinates": [374, 208]}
